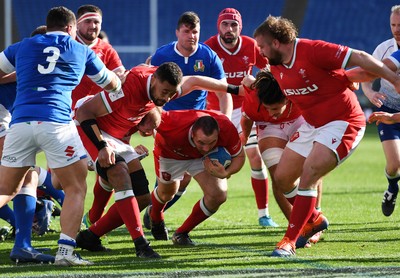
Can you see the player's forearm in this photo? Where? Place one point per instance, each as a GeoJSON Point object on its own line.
{"type": "Point", "coordinates": [236, 164]}
{"type": "Point", "coordinates": [225, 103]}
{"type": "Point", "coordinates": [7, 78]}
{"type": "Point", "coordinates": [194, 82]}
{"type": "Point", "coordinates": [246, 125]}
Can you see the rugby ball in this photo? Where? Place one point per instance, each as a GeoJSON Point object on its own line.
{"type": "Point", "coordinates": [221, 155]}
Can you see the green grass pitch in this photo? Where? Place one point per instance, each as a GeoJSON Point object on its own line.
{"type": "Point", "coordinates": [360, 241]}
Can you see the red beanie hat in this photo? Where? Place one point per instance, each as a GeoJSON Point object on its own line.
{"type": "Point", "coordinates": [230, 14]}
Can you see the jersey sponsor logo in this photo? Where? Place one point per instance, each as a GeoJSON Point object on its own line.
{"type": "Point", "coordinates": [199, 66]}
{"type": "Point", "coordinates": [69, 151]}
{"type": "Point", "coordinates": [116, 95]}
{"type": "Point", "coordinates": [301, 91]}
{"type": "Point", "coordinates": [238, 74]}
{"type": "Point", "coordinates": [166, 176]}
{"type": "Point", "coordinates": [11, 159]}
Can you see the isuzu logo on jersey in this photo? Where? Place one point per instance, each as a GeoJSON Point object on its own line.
{"type": "Point", "coordinates": [238, 74]}
{"type": "Point", "coordinates": [199, 66]}
{"type": "Point", "coordinates": [300, 91]}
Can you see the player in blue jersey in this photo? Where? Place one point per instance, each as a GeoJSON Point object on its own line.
{"type": "Point", "coordinates": [26, 205]}
{"type": "Point", "coordinates": [48, 68]}
{"type": "Point", "coordinates": [193, 58]}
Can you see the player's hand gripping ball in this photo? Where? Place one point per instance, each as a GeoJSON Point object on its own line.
{"type": "Point", "coordinates": [221, 155]}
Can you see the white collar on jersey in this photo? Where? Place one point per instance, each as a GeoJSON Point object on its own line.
{"type": "Point", "coordinates": [227, 50]}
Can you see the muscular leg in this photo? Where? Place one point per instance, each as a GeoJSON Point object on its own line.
{"type": "Point", "coordinates": [259, 183]}
{"type": "Point", "coordinates": [271, 149]}
{"type": "Point", "coordinates": [11, 180]}
{"type": "Point", "coordinates": [215, 194]}
{"type": "Point", "coordinates": [320, 162]}
{"type": "Point", "coordinates": [182, 189]}
{"type": "Point", "coordinates": [73, 181]}
{"type": "Point", "coordinates": [391, 149]}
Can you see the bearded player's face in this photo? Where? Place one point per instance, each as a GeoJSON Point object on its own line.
{"type": "Point", "coordinates": [267, 49]}
{"type": "Point", "coordinates": [161, 92]}
{"type": "Point", "coordinates": [229, 31]}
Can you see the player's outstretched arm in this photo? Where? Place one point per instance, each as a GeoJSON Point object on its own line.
{"type": "Point", "coordinates": [195, 82]}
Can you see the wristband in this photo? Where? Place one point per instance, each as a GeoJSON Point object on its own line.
{"type": "Point", "coordinates": [93, 132]}
{"type": "Point", "coordinates": [233, 89]}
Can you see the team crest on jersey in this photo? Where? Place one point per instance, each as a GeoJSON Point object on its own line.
{"type": "Point", "coordinates": [166, 176]}
{"type": "Point", "coordinates": [222, 60]}
{"type": "Point", "coordinates": [199, 66]}
{"type": "Point", "coordinates": [246, 59]}
{"type": "Point", "coordinates": [303, 74]}
{"type": "Point", "coordinates": [116, 95]}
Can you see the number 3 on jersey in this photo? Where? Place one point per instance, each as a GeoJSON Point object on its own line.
{"type": "Point", "coordinates": [51, 59]}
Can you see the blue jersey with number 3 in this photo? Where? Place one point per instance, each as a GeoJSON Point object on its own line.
{"type": "Point", "coordinates": [48, 68]}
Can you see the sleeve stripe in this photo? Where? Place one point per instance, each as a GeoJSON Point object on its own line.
{"type": "Point", "coordinates": [5, 64]}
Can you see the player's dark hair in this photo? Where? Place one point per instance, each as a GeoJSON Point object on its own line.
{"type": "Point", "coordinates": [88, 9]}
{"type": "Point", "coordinates": [58, 18]}
{"type": "Point", "coordinates": [207, 124]}
{"type": "Point", "coordinates": [170, 72]}
{"type": "Point", "coordinates": [189, 19]}
{"type": "Point", "coordinates": [268, 90]}
{"type": "Point", "coordinates": [42, 29]}
{"type": "Point", "coordinates": [278, 28]}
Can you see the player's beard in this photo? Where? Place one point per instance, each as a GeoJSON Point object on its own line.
{"type": "Point", "coordinates": [275, 58]}
{"type": "Point", "coordinates": [89, 36]}
{"type": "Point", "coordinates": [157, 101]}
{"type": "Point", "coordinates": [229, 40]}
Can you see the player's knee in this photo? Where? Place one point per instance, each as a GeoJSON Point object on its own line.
{"type": "Point", "coordinates": [140, 184]}
{"type": "Point", "coordinates": [115, 171]}
{"type": "Point", "coordinates": [219, 198]}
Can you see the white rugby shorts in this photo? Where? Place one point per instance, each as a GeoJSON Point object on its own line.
{"type": "Point", "coordinates": [170, 170]}
{"type": "Point", "coordinates": [339, 136]}
{"type": "Point", "coordinates": [283, 130]}
{"type": "Point", "coordinates": [60, 143]}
